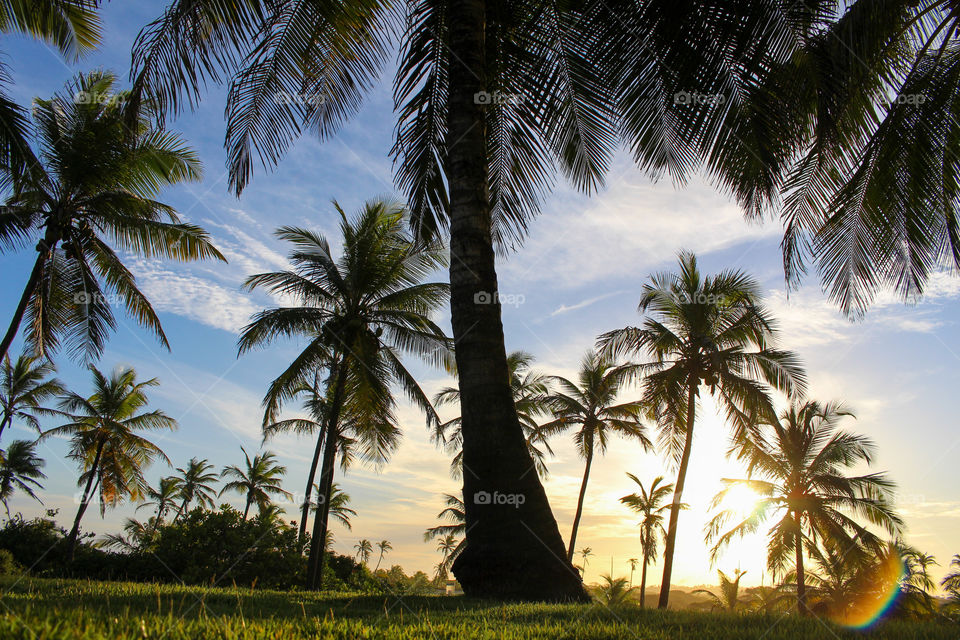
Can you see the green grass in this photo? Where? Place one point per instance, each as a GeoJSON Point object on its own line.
{"type": "Point", "coordinates": [37, 609]}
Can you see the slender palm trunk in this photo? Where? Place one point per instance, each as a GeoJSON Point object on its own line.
{"type": "Point", "coordinates": [583, 493]}
{"type": "Point", "coordinates": [182, 509]}
{"type": "Point", "coordinates": [246, 509]}
{"type": "Point", "coordinates": [514, 549]}
{"type": "Point", "coordinates": [643, 584]}
{"type": "Point", "coordinates": [801, 586]}
{"type": "Point", "coordinates": [316, 559]}
{"type": "Point", "coordinates": [7, 419]}
{"type": "Point", "coordinates": [305, 510]}
{"type": "Point", "coordinates": [84, 503]}
{"type": "Point", "coordinates": [379, 560]}
{"type": "Point", "coordinates": [43, 249]}
{"type": "Point", "coordinates": [668, 550]}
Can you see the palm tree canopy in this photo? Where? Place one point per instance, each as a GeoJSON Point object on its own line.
{"type": "Point", "coordinates": [92, 192]}
{"type": "Point", "coordinates": [25, 385]}
{"type": "Point", "coordinates": [362, 311]}
{"type": "Point", "coordinates": [799, 464]}
{"type": "Point", "coordinates": [20, 470]}
{"type": "Point", "coordinates": [104, 431]}
{"type": "Point", "coordinates": [728, 598]}
{"type": "Point", "coordinates": [260, 479]}
{"type": "Point", "coordinates": [706, 330]}
{"type": "Point", "coordinates": [530, 390]}
{"type": "Point", "coordinates": [196, 483]}
{"type": "Point", "coordinates": [167, 491]}
{"type": "Point", "coordinates": [652, 506]}
{"type": "Point", "coordinates": [591, 404]}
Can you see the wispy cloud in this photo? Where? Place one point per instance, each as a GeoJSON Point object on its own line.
{"type": "Point", "coordinates": [584, 303]}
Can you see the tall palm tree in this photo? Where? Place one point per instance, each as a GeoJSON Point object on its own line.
{"type": "Point", "coordinates": [633, 567]}
{"type": "Point", "coordinates": [590, 404]}
{"type": "Point", "coordinates": [703, 330]}
{"type": "Point", "coordinates": [530, 390]}
{"type": "Point", "coordinates": [90, 193]}
{"type": "Point", "coordinates": [729, 597]}
{"type": "Point", "coordinates": [364, 548]}
{"type": "Point", "coordinates": [585, 553]}
{"type": "Point", "coordinates": [169, 490]}
{"type": "Point", "coordinates": [448, 547]}
{"type": "Point", "coordinates": [854, 161]}
{"type": "Point", "coordinates": [25, 386]}
{"type": "Point", "coordinates": [196, 485]}
{"type": "Point", "coordinates": [360, 312]}
{"type": "Point", "coordinates": [384, 546]}
{"type": "Point", "coordinates": [455, 514]}
{"type": "Point", "coordinates": [651, 505]}
{"type": "Point", "coordinates": [73, 27]}
{"type": "Point", "coordinates": [20, 470]}
{"type": "Point", "coordinates": [493, 99]}
{"type": "Point", "coordinates": [260, 478]}
{"type": "Point", "coordinates": [799, 464]}
{"type": "Point", "coordinates": [105, 440]}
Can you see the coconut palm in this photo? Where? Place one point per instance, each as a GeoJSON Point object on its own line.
{"type": "Point", "coordinates": [260, 479]}
{"type": "Point", "coordinates": [364, 548]}
{"type": "Point", "coordinates": [633, 562]}
{"type": "Point", "coordinates": [585, 553]}
{"type": "Point", "coordinates": [916, 585]}
{"type": "Point", "coordinates": [384, 546]}
{"type": "Point", "coordinates": [20, 470]}
{"type": "Point", "coordinates": [168, 492]}
{"type": "Point", "coordinates": [951, 582]}
{"type": "Point", "coordinates": [455, 514]}
{"type": "Point", "coordinates": [590, 404]}
{"type": "Point", "coordinates": [728, 598]}
{"type": "Point", "coordinates": [338, 508]}
{"type": "Point", "coordinates": [134, 536]}
{"type": "Point", "coordinates": [614, 591]}
{"type": "Point", "coordinates": [90, 194]}
{"type": "Point", "coordinates": [530, 390]}
{"type": "Point", "coordinates": [493, 99]}
{"type": "Point", "coordinates": [799, 467]}
{"type": "Point", "coordinates": [651, 505]}
{"type": "Point", "coordinates": [73, 27]}
{"type": "Point", "coordinates": [853, 162]}
{"type": "Point", "coordinates": [449, 546]}
{"type": "Point", "coordinates": [104, 432]}
{"type": "Point", "coordinates": [700, 331]}
{"type": "Point", "coordinates": [359, 312]}
{"type": "Point", "coordinates": [25, 386]}
{"type": "Point", "coordinates": [196, 485]}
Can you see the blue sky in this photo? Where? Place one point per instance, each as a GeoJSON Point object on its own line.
{"type": "Point", "coordinates": [578, 274]}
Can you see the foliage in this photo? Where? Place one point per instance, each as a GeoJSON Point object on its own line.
{"type": "Point", "coordinates": [20, 470]}
{"type": "Point", "coordinates": [728, 596]}
{"type": "Point", "coordinates": [25, 387]}
{"type": "Point", "coordinates": [260, 479]}
{"type": "Point", "coordinates": [614, 591]}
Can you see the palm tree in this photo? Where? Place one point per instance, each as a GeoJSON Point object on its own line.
{"type": "Point", "coordinates": [768, 600]}
{"type": "Point", "coordinates": [585, 553]}
{"type": "Point", "coordinates": [853, 161]}
{"type": "Point", "coordinates": [455, 514]}
{"type": "Point", "coordinates": [729, 597]}
{"type": "Point", "coordinates": [798, 465]}
{"type": "Point", "coordinates": [196, 485]}
{"type": "Point", "coordinates": [651, 506]}
{"type": "Point", "coordinates": [364, 549]}
{"type": "Point", "coordinates": [20, 470]}
{"type": "Point", "coordinates": [105, 440]}
{"type": "Point", "coordinates": [338, 508]}
{"type": "Point", "coordinates": [530, 390]}
{"type": "Point", "coordinates": [591, 403]}
{"type": "Point", "coordinates": [260, 479]}
{"type": "Point", "coordinates": [633, 567]}
{"type": "Point", "coordinates": [449, 546]}
{"type": "Point", "coordinates": [492, 98]}
{"type": "Point", "coordinates": [614, 591]}
{"type": "Point", "coordinates": [24, 387]}
{"type": "Point", "coordinates": [384, 546]}
{"type": "Point", "coordinates": [168, 492]}
{"type": "Point", "coordinates": [703, 330]}
{"type": "Point", "coordinates": [951, 582]}
{"type": "Point", "coordinates": [134, 537]}
{"type": "Point", "coordinates": [89, 193]}
{"type": "Point", "coordinates": [359, 313]}
{"type": "Point", "coordinates": [73, 27]}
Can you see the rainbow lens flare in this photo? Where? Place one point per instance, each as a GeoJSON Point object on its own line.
{"type": "Point", "coordinates": [880, 592]}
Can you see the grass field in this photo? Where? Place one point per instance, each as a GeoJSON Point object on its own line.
{"type": "Point", "coordinates": [35, 609]}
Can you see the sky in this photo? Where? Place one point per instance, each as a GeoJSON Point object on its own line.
{"type": "Point", "coordinates": [578, 274]}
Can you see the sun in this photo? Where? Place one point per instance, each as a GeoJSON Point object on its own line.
{"type": "Point", "coordinates": [741, 500]}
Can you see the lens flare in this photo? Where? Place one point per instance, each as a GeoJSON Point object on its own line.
{"type": "Point", "coordinates": [878, 593]}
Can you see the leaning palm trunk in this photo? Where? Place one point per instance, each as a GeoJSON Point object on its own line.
{"type": "Point", "coordinates": [308, 493]}
{"type": "Point", "coordinates": [583, 493]}
{"type": "Point", "coordinates": [801, 586]}
{"type": "Point", "coordinates": [643, 581]}
{"type": "Point", "coordinates": [88, 491]}
{"type": "Point", "coordinates": [670, 544]}
{"type": "Point", "coordinates": [513, 551]}
{"type": "Point", "coordinates": [317, 557]}
{"type": "Point", "coordinates": [46, 245]}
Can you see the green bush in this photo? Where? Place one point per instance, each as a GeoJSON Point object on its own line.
{"type": "Point", "coordinates": [8, 565]}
